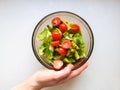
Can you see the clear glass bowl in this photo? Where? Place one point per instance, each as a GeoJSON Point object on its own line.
{"type": "Point", "coordinates": [69, 17]}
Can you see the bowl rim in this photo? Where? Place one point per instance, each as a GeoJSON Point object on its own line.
{"type": "Point", "coordinates": [32, 40]}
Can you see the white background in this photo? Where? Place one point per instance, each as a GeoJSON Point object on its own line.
{"type": "Point", "coordinates": [18, 19]}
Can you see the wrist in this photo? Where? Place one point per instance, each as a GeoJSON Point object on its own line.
{"type": "Point", "coordinates": [33, 85]}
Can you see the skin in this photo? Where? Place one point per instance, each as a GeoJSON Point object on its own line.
{"type": "Point", "coordinates": [46, 78]}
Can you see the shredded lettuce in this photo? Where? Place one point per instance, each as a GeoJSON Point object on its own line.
{"type": "Point", "coordinates": [79, 45]}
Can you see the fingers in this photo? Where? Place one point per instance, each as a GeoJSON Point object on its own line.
{"type": "Point", "coordinates": [78, 71]}
{"type": "Point", "coordinates": [64, 73]}
{"type": "Point", "coordinates": [75, 73]}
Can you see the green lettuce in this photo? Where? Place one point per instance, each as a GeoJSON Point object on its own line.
{"type": "Point", "coordinates": [45, 48]}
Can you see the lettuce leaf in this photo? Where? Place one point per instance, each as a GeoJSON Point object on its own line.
{"type": "Point", "coordinates": [45, 34]}
{"type": "Point", "coordinates": [45, 48]}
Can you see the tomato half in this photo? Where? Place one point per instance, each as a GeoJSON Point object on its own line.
{"type": "Point", "coordinates": [63, 27]}
{"type": "Point", "coordinates": [61, 51]}
{"type": "Point", "coordinates": [56, 36]}
{"type": "Point", "coordinates": [57, 64]}
{"type": "Point", "coordinates": [55, 43]}
{"type": "Point", "coordinates": [56, 21]}
{"type": "Point", "coordinates": [75, 28]}
{"type": "Point", "coordinates": [66, 44]}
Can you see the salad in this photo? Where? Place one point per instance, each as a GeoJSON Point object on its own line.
{"type": "Point", "coordinates": [62, 43]}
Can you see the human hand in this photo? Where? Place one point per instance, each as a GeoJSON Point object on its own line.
{"type": "Point", "coordinates": [45, 78]}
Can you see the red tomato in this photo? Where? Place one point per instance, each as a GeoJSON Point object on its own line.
{"type": "Point", "coordinates": [75, 28]}
{"type": "Point", "coordinates": [61, 51]}
{"type": "Point", "coordinates": [63, 27]}
{"type": "Point", "coordinates": [56, 36]}
{"type": "Point", "coordinates": [55, 43]}
{"type": "Point", "coordinates": [66, 44]}
{"type": "Point", "coordinates": [58, 64]}
{"type": "Point", "coordinates": [56, 21]}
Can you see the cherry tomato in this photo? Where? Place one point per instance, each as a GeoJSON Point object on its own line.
{"type": "Point", "coordinates": [56, 36]}
{"type": "Point", "coordinates": [63, 27]}
{"type": "Point", "coordinates": [75, 28]}
{"type": "Point", "coordinates": [66, 44]}
{"type": "Point", "coordinates": [57, 64]}
{"type": "Point", "coordinates": [55, 43]}
{"type": "Point", "coordinates": [61, 51]}
{"type": "Point", "coordinates": [56, 21]}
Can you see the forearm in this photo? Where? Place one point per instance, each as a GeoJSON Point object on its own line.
{"type": "Point", "coordinates": [28, 85]}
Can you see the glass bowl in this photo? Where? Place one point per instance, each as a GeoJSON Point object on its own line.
{"type": "Point", "coordinates": [69, 17]}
